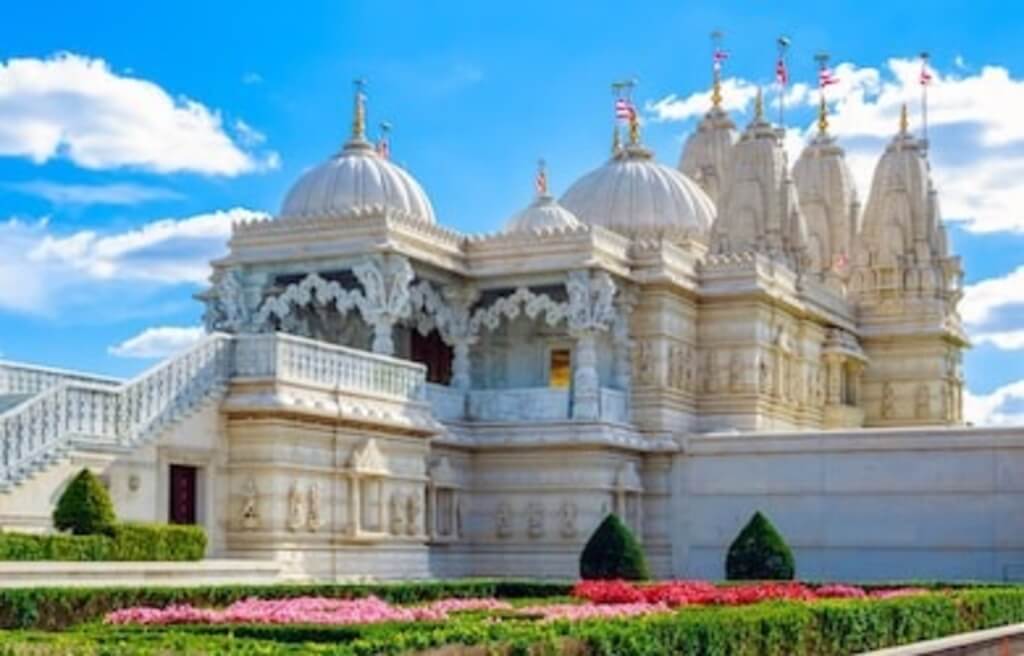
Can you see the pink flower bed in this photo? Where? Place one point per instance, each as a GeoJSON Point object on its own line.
{"type": "Point", "coordinates": [685, 593]}
{"type": "Point", "coordinates": [602, 599]}
{"type": "Point", "coordinates": [303, 610]}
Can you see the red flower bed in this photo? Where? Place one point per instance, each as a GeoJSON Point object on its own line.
{"type": "Point", "coordinates": [685, 593]}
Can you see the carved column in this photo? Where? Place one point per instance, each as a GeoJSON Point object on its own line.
{"type": "Point", "coordinates": [623, 343]}
{"type": "Point", "coordinates": [585, 383]}
{"type": "Point", "coordinates": [458, 327]}
{"type": "Point", "coordinates": [834, 372]}
{"type": "Point", "coordinates": [385, 299]}
{"type": "Point", "coordinates": [591, 310]}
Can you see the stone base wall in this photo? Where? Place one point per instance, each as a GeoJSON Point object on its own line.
{"type": "Point", "coordinates": [867, 505]}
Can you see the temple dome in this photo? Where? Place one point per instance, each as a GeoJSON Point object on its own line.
{"type": "Point", "coordinates": [353, 179]}
{"type": "Point", "coordinates": [543, 213]}
{"type": "Point", "coordinates": [636, 196]}
{"type": "Point", "coordinates": [828, 200]}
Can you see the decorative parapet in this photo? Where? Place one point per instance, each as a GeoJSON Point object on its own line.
{"type": "Point", "coordinates": [300, 360]}
{"type": "Point", "coordinates": [18, 378]}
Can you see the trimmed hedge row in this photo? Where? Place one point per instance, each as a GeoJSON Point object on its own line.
{"type": "Point", "coordinates": [58, 608]}
{"type": "Point", "coordinates": [125, 542]}
{"type": "Point", "coordinates": [827, 628]}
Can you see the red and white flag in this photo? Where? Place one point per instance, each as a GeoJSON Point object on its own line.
{"type": "Point", "coordinates": [718, 58]}
{"type": "Point", "coordinates": [826, 78]}
{"type": "Point", "coordinates": [781, 74]}
{"type": "Point", "coordinates": [384, 148]}
{"type": "Point", "coordinates": [926, 76]}
{"type": "Point", "coordinates": [840, 263]}
{"type": "Point", "coordinates": [541, 183]}
{"type": "Point", "coordinates": [623, 109]}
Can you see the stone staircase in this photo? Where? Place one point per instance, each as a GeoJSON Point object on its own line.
{"type": "Point", "coordinates": [46, 414]}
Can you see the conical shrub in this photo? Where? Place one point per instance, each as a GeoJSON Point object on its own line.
{"type": "Point", "coordinates": [759, 553]}
{"type": "Point", "coordinates": [85, 507]}
{"type": "Point", "coordinates": [613, 553]}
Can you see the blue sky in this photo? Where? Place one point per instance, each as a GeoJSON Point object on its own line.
{"type": "Point", "coordinates": [131, 133]}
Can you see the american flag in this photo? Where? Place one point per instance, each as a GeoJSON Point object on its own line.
{"type": "Point", "coordinates": [926, 76]}
{"type": "Point", "coordinates": [826, 78]}
{"type": "Point", "coordinates": [384, 148]}
{"type": "Point", "coordinates": [624, 109]}
{"type": "Point", "coordinates": [840, 263]}
{"type": "Point", "coordinates": [718, 58]}
{"type": "Point", "coordinates": [781, 74]}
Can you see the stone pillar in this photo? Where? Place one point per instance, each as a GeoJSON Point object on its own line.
{"type": "Point", "coordinates": [585, 383]}
{"type": "Point", "coordinates": [461, 363]}
{"type": "Point", "coordinates": [834, 387]}
{"type": "Point", "coordinates": [385, 301]}
{"type": "Point", "coordinates": [383, 341]}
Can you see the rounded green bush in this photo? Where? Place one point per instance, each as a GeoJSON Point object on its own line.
{"type": "Point", "coordinates": [613, 553]}
{"type": "Point", "coordinates": [85, 507]}
{"type": "Point", "coordinates": [759, 553]}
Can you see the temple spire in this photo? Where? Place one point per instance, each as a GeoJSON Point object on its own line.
{"type": "Point", "coordinates": [759, 107]}
{"type": "Point", "coordinates": [822, 117]}
{"type": "Point", "coordinates": [359, 111]}
{"type": "Point", "coordinates": [904, 121]}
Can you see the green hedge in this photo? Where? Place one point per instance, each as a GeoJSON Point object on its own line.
{"type": "Point", "coordinates": [827, 628]}
{"type": "Point", "coordinates": [126, 542]}
{"type": "Point", "coordinates": [58, 608]}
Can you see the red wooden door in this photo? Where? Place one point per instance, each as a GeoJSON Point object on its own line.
{"type": "Point", "coordinates": [183, 495]}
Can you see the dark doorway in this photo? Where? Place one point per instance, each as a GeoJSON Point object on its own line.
{"type": "Point", "coordinates": [183, 495]}
{"type": "Point", "coordinates": [433, 352]}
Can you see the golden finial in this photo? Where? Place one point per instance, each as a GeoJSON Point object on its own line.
{"type": "Point", "coordinates": [717, 57]}
{"type": "Point", "coordinates": [359, 113]}
{"type": "Point", "coordinates": [822, 117]}
{"type": "Point", "coordinates": [634, 127]}
{"type": "Point", "coordinates": [904, 121]}
{"type": "Point", "coordinates": [759, 106]}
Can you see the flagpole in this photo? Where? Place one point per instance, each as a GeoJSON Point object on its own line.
{"type": "Point", "coordinates": [783, 44]}
{"type": "Point", "coordinates": [925, 78]}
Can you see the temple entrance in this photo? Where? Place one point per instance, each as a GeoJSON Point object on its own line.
{"type": "Point", "coordinates": [182, 495]}
{"type": "Point", "coordinates": [433, 352]}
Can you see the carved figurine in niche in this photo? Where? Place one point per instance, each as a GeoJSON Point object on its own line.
{"type": "Point", "coordinates": [708, 376]}
{"type": "Point", "coordinates": [503, 520]}
{"type": "Point", "coordinates": [535, 520]}
{"type": "Point", "coordinates": [794, 380]}
{"type": "Point", "coordinates": [689, 369]}
{"type": "Point", "coordinates": [764, 373]}
{"type": "Point", "coordinates": [888, 401]}
{"type": "Point", "coordinates": [396, 513]}
{"type": "Point", "coordinates": [674, 378]}
{"type": "Point", "coordinates": [413, 508]}
{"type": "Point", "coordinates": [922, 402]}
{"type": "Point", "coordinates": [736, 371]}
{"type": "Point", "coordinates": [567, 516]}
{"type": "Point", "coordinates": [644, 363]}
{"type": "Point", "coordinates": [458, 516]}
{"type": "Point", "coordinates": [314, 519]}
{"type": "Point", "coordinates": [296, 508]}
{"type": "Point", "coordinates": [250, 513]}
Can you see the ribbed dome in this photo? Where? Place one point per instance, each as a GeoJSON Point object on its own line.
{"type": "Point", "coordinates": [638, 197]}
{"type": "Point", "coordinates": [542, 214]}
{"type": "Point", "coordinates": [356, 178]}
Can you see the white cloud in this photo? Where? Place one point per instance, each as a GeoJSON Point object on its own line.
{"type": "Point", "coordinates": [1002, 407]}
{"type": "Point", "coordinates": [77, 108]}
{"type": "Point", "coordinates": [983, 299]}
{"type": "Point", "coordinates": [252, 77]}
{"type": "Point", "coordinates": [975, 130]}
{"type": "Point", "coordinates": [43, 271]}
{"type": "Point", "coordinates": [1006, 340]}
{"type": "Point", "coordinates": [102, 194]}
{"type": "Point", "coordinates": [158, 342]}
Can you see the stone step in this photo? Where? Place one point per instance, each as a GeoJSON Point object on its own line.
{"type": "Point", "coordinates": [103, 574]}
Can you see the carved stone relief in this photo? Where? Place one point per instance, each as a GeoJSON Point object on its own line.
{"type": "Point", "coordinates": [413, 512]}
{"type": "Point", "coordinates": [396, 514]}
{"type": "Point", "coordinates": [314, 519]}
{"type": "Point", "coordinates": [535, 520]}
{"type": "Point", "coordinates": [503, 520]}
{"type": "Point", "coordinates": [250, 512]}
{"type": "Point", "coordinates": [888, 401]}
{"type": "Point", "coordinates": [296, 508]}
{"type": "Point", "coordinates": [567, 519]}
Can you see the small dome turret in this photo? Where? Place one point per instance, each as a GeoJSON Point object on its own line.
{"type": "Point", "coordinates": [358, 177]}
{"type": "Point", "coordinates": [544, 212]}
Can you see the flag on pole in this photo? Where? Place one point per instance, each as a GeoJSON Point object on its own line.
{"type": "Point", "coordinates": [623, 109]}
{"type": "Point", "coordinates": [841, 263]}
{"type": "Point", "coordinates": [781, 74]}
{"type": "Point", "coordinates": [718, 58]}
{"type": "Point", "coordinates": [541, 183]}
{"type": "Point", "coordinates": [926, 76]}
{"type": "Point", "coordinates": [384, 148]}
{"type": "Point", "coordinates": [826, 77]}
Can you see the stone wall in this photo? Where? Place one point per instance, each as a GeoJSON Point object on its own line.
{"type": "Point", "coordinates": [865, 505]}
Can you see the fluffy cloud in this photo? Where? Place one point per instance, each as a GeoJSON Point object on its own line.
{"type": "Point", "coordinates": [984, 299]}
{"type": "Point", "coordinates": [77, 107]}
{"type": "Point", "coordinates": [978, 144]}
{"type": "Point", "coordinates": [42, 271]}
{"type": "Point", "coordinates": [1003, 407]}
{"type": "Point", "coordinates": [101, 194]}
{"type": "Point", "coordinates": [158, 342]}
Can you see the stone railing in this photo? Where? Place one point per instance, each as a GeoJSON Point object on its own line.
{"type": "Point", "coordinates": [16, 378]}
{"type": "Point", "coordinates": [300, 360]}
{"type": "Point", "coordinates": [519, 404]}
{"type": "Point", "coordinates": [42, 429]}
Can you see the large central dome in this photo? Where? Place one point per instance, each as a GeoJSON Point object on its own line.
{"type": "Point", "coordinates": [636, 196]}
{"type": "Point", "coordinates": [357, 178]}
